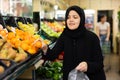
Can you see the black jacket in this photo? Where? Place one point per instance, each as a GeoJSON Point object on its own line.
{"type": "Point", "coordinates": [89, 51]}
{"type": "Point", "coordinates": [79, 45]}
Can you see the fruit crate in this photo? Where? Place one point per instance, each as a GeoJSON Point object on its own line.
{"type": "Point", "coordinates": [39, 78]}
{"type": "Point", "coordinates": [7, 68]}
{"type": "Point", "coordinates": [50, 71]}
{"type": "Point", "coordinates": [47, 36]}
{"type": "Point", "coordinates": [12, 66]}
{"type": "Point", "coordinates": [10, 21]}
{"type": "Point", "coordinates": [21, 19]}
{"type": "Point", "coordinates": [2, 22]}
{"type": "Point", "coordinates": [19, 68]}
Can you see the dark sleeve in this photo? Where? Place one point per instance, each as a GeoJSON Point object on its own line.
{"type": "Point", "coordinates": [53, 53]}
{"type": "Point", "coordinates": [96, 64]}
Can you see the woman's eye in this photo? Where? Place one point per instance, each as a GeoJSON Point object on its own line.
{"type": "Point", "coordinates": [75, 17]}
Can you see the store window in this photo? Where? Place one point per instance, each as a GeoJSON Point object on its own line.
{"type": "Point", "coordinates": [16, 7]}
{"type": "Point", "coordinates": [89, 19]}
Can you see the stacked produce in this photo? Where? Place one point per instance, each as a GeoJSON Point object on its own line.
{"type": "Point", "coordinates": [3, 33]}
{"type": "Point", "coordinates": [9, 57]}
{"type": "Point", "coordinates": [55, 26]}
{"type": "Point", "coordinates": [8, 52]}
{"type": "Point", "coordinates": [23, 38]}
{"type": "Point", "coordinates": [16, 45]}
{"type": "Point", "coordinates": [27, 27]}
{"type": "Point", "coordinates": [50, 70]}
{"type": "Point", "coordinates": [26, 41]}
{"type": "Point", "coordinates": [52, 29]}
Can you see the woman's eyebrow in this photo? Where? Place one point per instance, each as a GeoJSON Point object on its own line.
{"type": "Point", "coordinates": [72, 15]}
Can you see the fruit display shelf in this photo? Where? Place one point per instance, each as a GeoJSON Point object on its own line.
{"type": "Point", "coordinates": [22, 67]}
{"type": "Point", "coordinates": [19, 68]}
{"type": "Point", "coordinates": [20, 46]}
{"type": "Point", "coordinates": [6, 69]}
{"type": "Point", "coordinates": [51, 31]}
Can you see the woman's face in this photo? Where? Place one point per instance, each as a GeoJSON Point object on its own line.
{"type": "Point", "coordinates": [104, 19]}
{"type": "Point", "coordinates": [73, 20]}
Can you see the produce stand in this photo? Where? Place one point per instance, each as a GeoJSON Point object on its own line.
{"type": "Point", "coordinates": [20, 69]}
{"type": "Point", "coordinates": [20, 47]}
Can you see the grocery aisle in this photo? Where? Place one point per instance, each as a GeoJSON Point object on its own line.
{"type": "Point", "coordinates": [113, 72]}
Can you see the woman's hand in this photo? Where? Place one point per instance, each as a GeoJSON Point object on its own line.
{"type": "Point", "coordinates": [107, 39]}
{"type": "Point", "coordinates": [82, 67]}
{"type": "Point", "coordinates": [44, 47]}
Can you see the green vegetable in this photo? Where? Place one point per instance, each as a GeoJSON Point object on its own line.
{"type": "Point", "coordinates": [51, 70]}
{"type": "Point", "coordinates": [57, 64]}
{"type": "Point", "coordinates": [49, 74]}
{"type": "Point", "coordinates": [56, 77]}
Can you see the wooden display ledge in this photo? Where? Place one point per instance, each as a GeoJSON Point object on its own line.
{"type": "Point", "coordinates": [27, 75]}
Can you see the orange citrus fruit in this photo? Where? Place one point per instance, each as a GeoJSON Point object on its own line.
{"type": "Point", "coordinates": [38, 44]}
{"type": "Point", "coordinates": [10, 35]}
{"type": "Point", "coordinates": [32, 50]}
{"type": "Point", "coordinates": [17, 44]}
{"type": "Point", "coordinates": [24, 46]}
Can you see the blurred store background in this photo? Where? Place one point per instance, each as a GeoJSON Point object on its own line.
{"type": "Point", "coordinates": [53, 11]}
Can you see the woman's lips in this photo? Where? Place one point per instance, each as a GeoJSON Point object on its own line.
{"type": "Point", "coordinates": [71, 24]}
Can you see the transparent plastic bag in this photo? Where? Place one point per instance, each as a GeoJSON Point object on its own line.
{"type": "Point", "coordinates": [77, 75]}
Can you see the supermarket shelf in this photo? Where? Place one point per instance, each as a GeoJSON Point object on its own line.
{"type": "Point", "coordinates": [18, 71]}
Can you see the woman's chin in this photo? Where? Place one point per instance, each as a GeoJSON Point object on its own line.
{"type": "Point", "coordinates": [72, 28]}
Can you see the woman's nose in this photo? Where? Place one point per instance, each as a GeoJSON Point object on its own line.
{"type": "Point", "coordinates": [71, 19]}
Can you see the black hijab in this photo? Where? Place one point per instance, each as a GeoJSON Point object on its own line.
{"type": "Point", "coordinates": [80, 31]}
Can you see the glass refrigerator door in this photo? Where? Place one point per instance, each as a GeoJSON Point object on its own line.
{"type": "Point", "coordinates": [89, 19]}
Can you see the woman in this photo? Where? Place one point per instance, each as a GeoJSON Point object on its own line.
{"type": "Point", "coordinates": [81, 47]}
{"type": "Point", "coordinates": [103, 29]}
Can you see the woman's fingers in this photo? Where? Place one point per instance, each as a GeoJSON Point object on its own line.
{"type": "Point", "coordinates": [82, 67]}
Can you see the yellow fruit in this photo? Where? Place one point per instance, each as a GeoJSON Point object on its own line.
{"type": "Point", "coordinates": [3, 33]}
{"type": "Point", "coordinates": [11, 53]}
{"type": "Point", "coordinates": [36, 36]}
{"type": "Point", "coordinates": [46, 41]}
{"type": "Point", "coordinates": [1, 69]}
{"type": "Point", "coordinates": [20, 57]}
{"type": "Point", "coordinates": [2, 41]}
{"type": "Point", "coordinates": [7, 45]}
{"type": "Point", "coordinates": [3, 56]}
{"type": "Point", "coordinates": [21, 51]}
{"type": "Point", "coordinates": [3, 53]}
